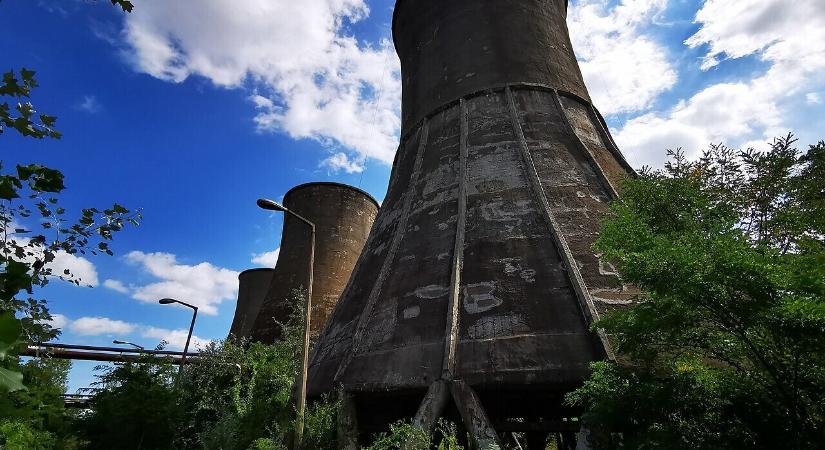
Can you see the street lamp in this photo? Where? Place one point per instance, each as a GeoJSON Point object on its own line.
{"type": "Point", "coordinates": [272, 205]}
{"type": "Point", "coordinates": [139, 347]}
{"type": "Point", "coordinates": [169, 301]}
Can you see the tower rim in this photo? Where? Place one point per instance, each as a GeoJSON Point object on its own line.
{"type": "Point", "coordinates": [333, 184]}
{"type": "Point", "coordinates": [256, 269]}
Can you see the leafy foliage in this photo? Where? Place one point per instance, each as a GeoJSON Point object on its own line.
{"type": "Point", "coordinates": [727, 346]}
{"type": "Point", "coordinates": [23, 117]}
{"type": "Point", "coordinates": [34, 417]}
{"type": "Point", "coordinates": [234, 395]}
{"type": "Point", "coordinates": [405, 435]}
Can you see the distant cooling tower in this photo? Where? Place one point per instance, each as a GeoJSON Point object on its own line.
{"type": "Point", "coordinates": [252, 288]}
{"type": "Point", "coordinates": [478, 282]}
{"type": "Point", "coordinates": [343, 216]}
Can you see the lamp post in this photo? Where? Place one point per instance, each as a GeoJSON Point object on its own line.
{"type": "Point", "coordinates": [139, 347]}
{"type": "Point", "coordinates": [169, 301]}
{"type": "Point", "coordinates": [302, 394]}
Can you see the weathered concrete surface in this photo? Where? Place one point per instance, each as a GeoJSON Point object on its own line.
{"type": "Point", "coordinates": [479, 268]}
{"type": "Point", "coordinates": [343, 216]}
{"type": "Point", "coordinates": [450, 50]}
{"type": "Point", "coordinates": [253, 285]}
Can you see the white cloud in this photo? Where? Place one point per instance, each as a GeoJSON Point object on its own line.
{"type": "Point", "coordinates": [96, 326]}
{"type": "Point", "coordinates": [624, 69]}
{"type": "Point", "coordinates": [790, 39]}
{"type": "Point", "coordinates": [266, 259]}
{"type": "Point", "coordinates": [775, 30]}
{"type": "Point", "coordinates": [202, 285]}
{"type": "Point", "coordinates": [58, 321]}
{"type": "Point", "coordinates": [340, 161]}
{"type": "Point", "coordinates": [309, 78]}
{"type": "Point", "coordinates": [175, 338]}
{"type": "Point", "coordinates": [99, 326]}
{"type": "Point", "coordinates": [813, 98]}
{"type": "Point", "coordinates": [81, 269]}
{"type": "Point", "coordinates": [116, 286]}
{"type": "Point", "coordinates": [89, 104]}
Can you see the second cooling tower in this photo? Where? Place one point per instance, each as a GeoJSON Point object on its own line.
{"type": "Point", "coordinates": [343, 216]}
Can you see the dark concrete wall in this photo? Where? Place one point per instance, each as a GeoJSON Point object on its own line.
{"type": "Point", "coordinates": [450, 49]}
{"type": "Point", "coordinates": [479, 265]}
{"type": "Point", "coordinates": [343, 216]}
{"type": "Point", "coordinates": [252, 287]}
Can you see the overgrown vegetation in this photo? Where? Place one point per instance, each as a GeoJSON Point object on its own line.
{"type": "Point", "coordinates": [35, 231]}
{"type": "Point", "coordinates": [234, 395]}
{"type": "Point", "coordinates": [727, 346]}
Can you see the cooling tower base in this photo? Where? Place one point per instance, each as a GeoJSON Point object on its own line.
{"type": "Point", "coordinates": [490, 417]}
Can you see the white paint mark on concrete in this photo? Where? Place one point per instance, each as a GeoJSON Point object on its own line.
{"type": "Point", "coordinates": [431, 291]}
{"type": "Point", "coordinates": [411, 312]}
{"type": "Point", "coordinates": [497, 326]}
{"type": "Point", "coordinates": [478, 297]}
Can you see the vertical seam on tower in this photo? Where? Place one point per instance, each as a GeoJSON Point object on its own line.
{"type": "Point", "coordinates": [448, 364]}
{"type": "Point", "coordinates": [611, 190]}
{"type": "Point", "coordinates": [604, 133]}
{"type": "Point", "coordinates": [366, 315]}
{"type": "Point", "coordinates": [587, 307]}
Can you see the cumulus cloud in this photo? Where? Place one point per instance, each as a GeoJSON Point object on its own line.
{"type": "Point", "coordinates": [307, 77]}
{"type": "Point", "coordinates": [202, 285]}
{"type": "Point", "coordinates": [116, 286]}
{"type": "Point", "coordinates": [80, 269]}
{"type": "Point", "coordinates": [100, 326]}
{"type": "Point", "coordinates": [58, 321]}
{"type": "Point", "coordinates": [266, 259]}
{"type": "Point", "coordinates": [175, 338]}
{"type": "Point", "coordinates": [96, 326]}
{"type": "Point", "coordinates": [624, 69]}
{"type": "Point", "coordinates": [790, 39]}
{"type": "Point", "coordinates": [340, 161]}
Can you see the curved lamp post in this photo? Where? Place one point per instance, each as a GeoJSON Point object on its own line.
{"type": "Point", "coordinates": [272, 205]}
{"type": "Point", "coordinates": [169, 301]}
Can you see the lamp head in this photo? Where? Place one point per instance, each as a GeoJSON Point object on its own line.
{"type": "Point", "coordinates": [272, 205]}
{"type": "Point", "coordinates": [167, 301]}
{"type": "Point", "coordinates": [119, 342]}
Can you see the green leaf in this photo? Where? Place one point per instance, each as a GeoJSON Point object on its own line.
{"type": "Point", "coordinates": [8, 187]}
{"type": "Point", "coordinates": [10, 331]}
{"type": "Point", "coordinates": [42, 179]}
{"type": "Point", "coordinates": [11, 381]}
{"type": "Point", "coordinates": [15, 278]}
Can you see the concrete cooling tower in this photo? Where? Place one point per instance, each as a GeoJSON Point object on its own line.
{"type": "Point", "coordinates": [477, 285]}
{"type": "Point", "coordinates": [343, 216]}
{"type": "Point", "coordinates": [253, 285]}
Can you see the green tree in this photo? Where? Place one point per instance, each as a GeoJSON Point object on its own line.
{"type": "Point", "coordinates": [135, 407]}
{"type": "Point", "coordinates": [26, 255]}
{"type": "Point", "coordinates": [726, 348]}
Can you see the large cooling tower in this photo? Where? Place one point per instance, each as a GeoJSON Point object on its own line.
{"type": "Point", "coordinates": [343, 216]}
{"type": "Point", "coordinates": [252, 287]}
{"type": "Point", "coordinates": [478, 281]}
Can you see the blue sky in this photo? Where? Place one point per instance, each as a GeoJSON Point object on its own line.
{"type": "Point", "coordinates": [193, 113]}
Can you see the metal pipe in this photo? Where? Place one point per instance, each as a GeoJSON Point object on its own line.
{"type": "Point", "coordinates": [104, 355]}
{"type": "Point", "coordinates": [104, 349]}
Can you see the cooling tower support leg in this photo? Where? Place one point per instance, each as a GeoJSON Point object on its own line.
{"type": "Point", "coordinates": [347, 423]}
{"type": "Point", "coordinates": [432, 406]}
{"type": "Point", "coordinates": [483, 435]}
